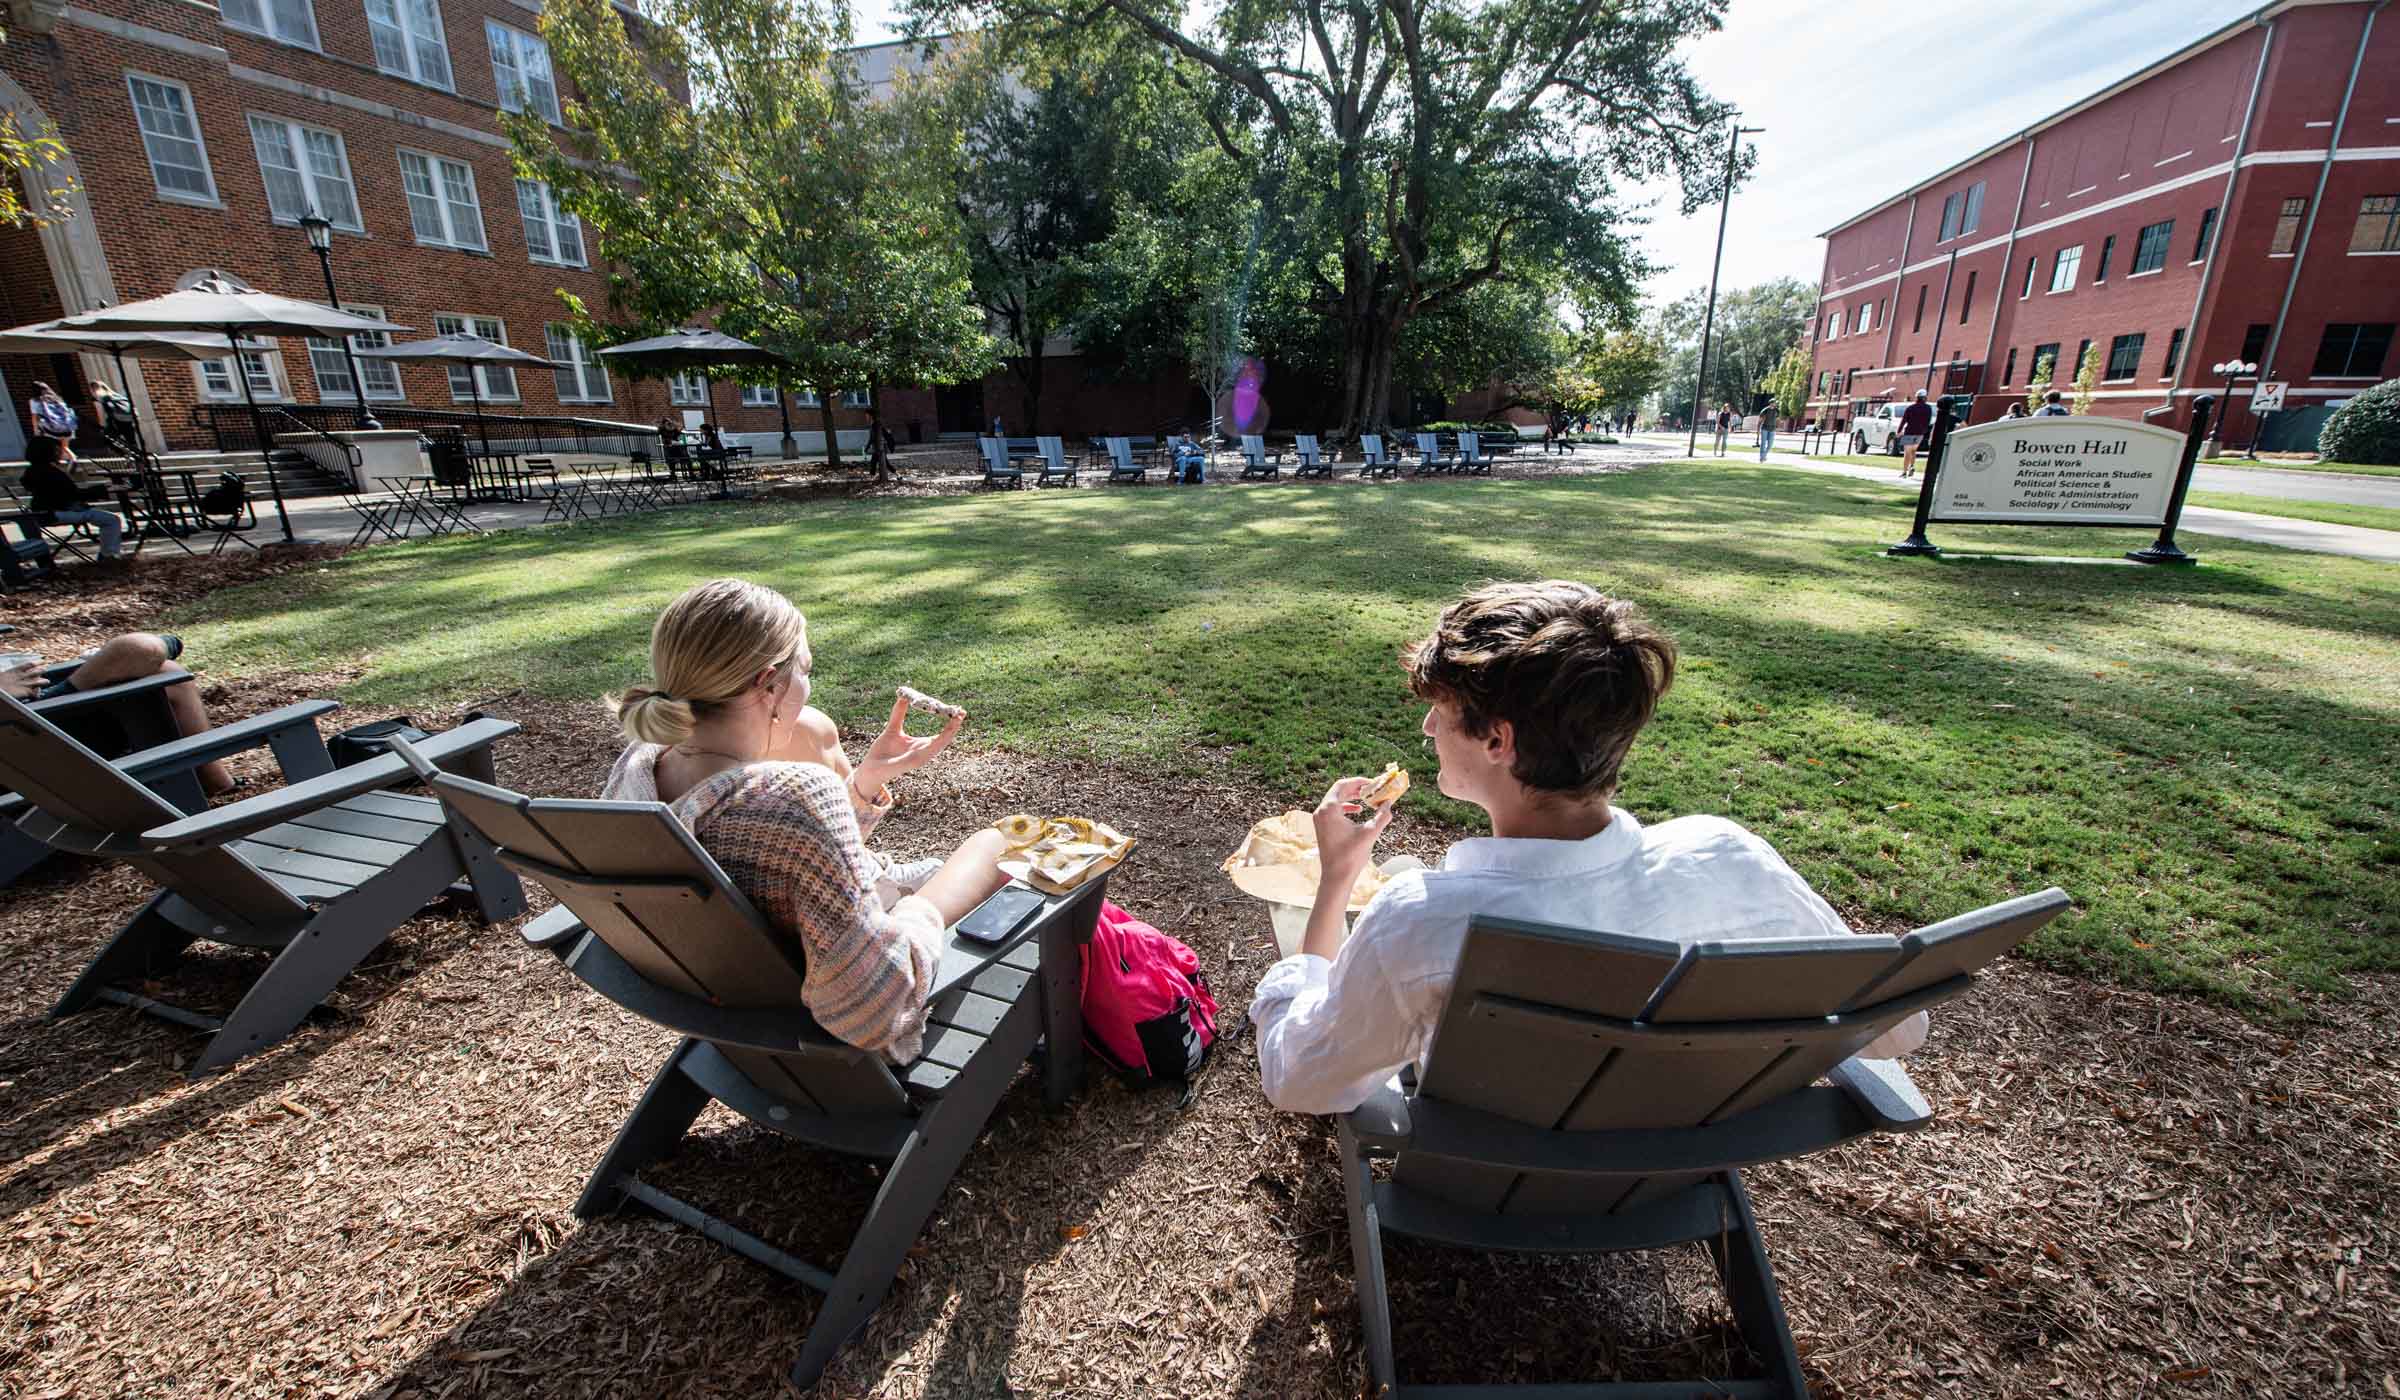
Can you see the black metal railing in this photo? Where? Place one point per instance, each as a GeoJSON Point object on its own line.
{"type": "Point", "coordinates": [230, 428]}
{"type": "Point", "coordinates": [330, 455]}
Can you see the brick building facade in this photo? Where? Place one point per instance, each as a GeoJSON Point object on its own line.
{"type": "Point", "coordinates": [2239, 198]}
{"type": "Point", "coordinates": [199, 133]}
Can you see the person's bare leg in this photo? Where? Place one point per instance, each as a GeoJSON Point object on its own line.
{"type": "Point", "coordinates": [137, 654]}
{"type": "Point", "coordinates": [968, 877]}
{"type": "Point", "coordinates": [1908, 460]}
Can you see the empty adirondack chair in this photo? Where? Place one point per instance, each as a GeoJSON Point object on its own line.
{"type": "Point", "coordinates": [1431, 460]}
{"type": "Point", "coordinates": [320, 871]}
{"type": "Point", "coordinates": [1056, 469]}
{"type": "Point", "coordinates": [135, 711]}
{"type": "Point", "coordinates": [997, 469]}
{"type": "Point", "coordinates": [649, 920]}
{"type": "Point", "coordinates": [1593, 1093]}
{"type": "Point", "coordinates": [1370, 445]}
{"type": "Point", "coordinates": [1471, 458]}
{"type": "Point", "coordinates": [1257, 463]}
{"type": "Point", "coordinates": [1122, 468]}
{"type": "Point", "coordinates": [1311, 457]}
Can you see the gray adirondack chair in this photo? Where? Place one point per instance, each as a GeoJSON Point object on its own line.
{"type": "Point", "coordinates": [648, 920]}
{"type": "Point", "coordinates": [1431, 460]}
{"type": "Point", "coordinates": [1057, 470]}
{"type": "Point", "coordinates": [1472, 460]}
{"type": "Point", "coordinates": [1123, 470]}
{"type": "Point", "coordinates": [320, 871]}
{"type": "Point", "coordinates": [1370, 445]}
{"type": "Point", "coordinates": [1311, 458]}
{"type": "Point", "coordinates": [998, 470]}
{"type": "Point", "coordinates": [135, 709]}
{"type": "Point", "coordinates": [1592, 1093]}
{"type": "Point", "coordinates": [1258, 464]}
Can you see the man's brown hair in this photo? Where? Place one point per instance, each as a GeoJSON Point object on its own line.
{"type": "Point", "coordinates": [1575, 673]}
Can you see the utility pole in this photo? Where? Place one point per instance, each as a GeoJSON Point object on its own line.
{"type": "Point", "coordinates": [1708, 324]}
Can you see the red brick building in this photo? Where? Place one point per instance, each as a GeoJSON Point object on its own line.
{"type": "Point", "coordinates": [200, 131]}
{"type": "Point", "coordinates": [2239, 198]}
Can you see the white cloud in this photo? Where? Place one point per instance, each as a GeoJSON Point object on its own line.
{"type": "Point", "coordinates": [1863, 98]}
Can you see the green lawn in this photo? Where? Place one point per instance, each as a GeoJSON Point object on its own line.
{"type": "Point", "coordinates": [2331, 512]}
{"type": "Point", "coordinates": [2353, 468]}
{"type": "Point", "coordinates": [2203, 758]}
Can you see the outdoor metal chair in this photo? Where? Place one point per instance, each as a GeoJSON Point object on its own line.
{"type": "Point", "coordinates": [1312, 460]}
{"type": "Point", "coordinates": [375, 517]}
{"type": "Point", "coordinates": [1057, 470]}
{"type": "Point", "coordinates": [231, 522]}
{"type": "Point", "coordinates": [998, 470]}
{"type": "Point", "coordinates": [1257, 463]}
{"type": "Point", "coordinates": [1595, 1093]}
{"type": "Point", "coordinates": [1431, 460]}
{"type": "Point", "coordinates": [320, 871]}
{"type": "Point", "coordinates": [1123, 470]}
{"type": "Point", "coordinates": [650, 921]}
{"type": "Point", "coordinates": [1471, 458]}
{"type": "Point", "coordinates": [1376, 464]}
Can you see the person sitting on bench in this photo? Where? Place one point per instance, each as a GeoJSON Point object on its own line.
{"type": "Point", "coordinates": [1535, 691]}
{"type": "Point", "coordinates": [725, 736]}
{"type": "Point", "coordinates": [128, 657]}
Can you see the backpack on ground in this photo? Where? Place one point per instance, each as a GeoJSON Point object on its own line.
{"type": "Point", "coordinates": [1147, 1010]}
{"type": "Point", "coordinates": [227, 497]}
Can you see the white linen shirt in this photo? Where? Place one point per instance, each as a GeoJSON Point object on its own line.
{"type": "Point", "coordinates": [1330, 1033]}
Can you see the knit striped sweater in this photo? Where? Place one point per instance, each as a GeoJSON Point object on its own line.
{"type": "Point", "coordinates": [787, 836]}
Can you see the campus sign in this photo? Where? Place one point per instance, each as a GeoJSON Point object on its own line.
{"type": "Point", "coordinates": [2058, 471]}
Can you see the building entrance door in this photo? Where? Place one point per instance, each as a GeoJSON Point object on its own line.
{"type": "Point", "coordinates": [958, 408]}
{"type": "Point", "coordinates": [12, 424]}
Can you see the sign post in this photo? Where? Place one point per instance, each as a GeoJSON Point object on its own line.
{"type": "Point", "coordinates": [2163, 549]}
{"type": "Point", "coordinates": [2060, 471]}
{"type": "Point", "coordinates": [1916, 543]}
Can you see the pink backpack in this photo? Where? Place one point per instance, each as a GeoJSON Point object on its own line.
{"type": "Point", "coordinates": [1147, 1009]}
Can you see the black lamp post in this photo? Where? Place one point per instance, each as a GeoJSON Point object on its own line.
{"type": "Point", "coordinates": [2232, 370]}
{"type": "Point", "coordinates": [320, 237]}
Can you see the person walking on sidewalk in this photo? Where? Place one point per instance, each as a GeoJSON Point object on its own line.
{"type": "Point", "coordinates": [1916, 424]}
{"type": "Point", "coordinates": [1724, 425]}
{"type": "Point", "coordinates": [1766, 431]}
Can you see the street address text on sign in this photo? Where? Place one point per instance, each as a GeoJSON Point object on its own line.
{"type": "Point", "coordinates": [2058, 471]}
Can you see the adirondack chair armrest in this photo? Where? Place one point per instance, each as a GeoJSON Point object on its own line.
{"type": "Point", "coordinates": [1381, 1124]}
{"type": "Point", "coordinates": [1804, 1121]}
{"type": "Point", "coordinates": [1882, 1090]}
{"type": "Point", "coordinates": [548, 930]}
{"type": "Point", "coordinates": [75, 702]}
{"type": "Point", "coordinates": [239, 819]}
{"type": "Point", "coordinates": [179, 755]}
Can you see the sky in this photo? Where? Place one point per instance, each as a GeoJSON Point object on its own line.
{"type": "Point", "coordinates": [1862, 99]}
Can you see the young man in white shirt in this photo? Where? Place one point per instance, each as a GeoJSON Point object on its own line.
{"type": "Point", "coordinates": [1535, 692]}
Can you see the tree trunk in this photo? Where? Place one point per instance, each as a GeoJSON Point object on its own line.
{"type": "Point", "coordinates": [1367, 346]}
{"type": "Point", "coordinates": [1031, 377]}
{"type": "Point", "coordinates": [833, 441]}
{"type": "Point", "coordinates": [884, 470]}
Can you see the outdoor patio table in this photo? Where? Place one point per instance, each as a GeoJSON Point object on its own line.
{"type": "Point", "coordinates": [422, 501]}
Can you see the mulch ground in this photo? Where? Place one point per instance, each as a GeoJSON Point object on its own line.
{"type": "Point", "coordinates": [2124, 1194]}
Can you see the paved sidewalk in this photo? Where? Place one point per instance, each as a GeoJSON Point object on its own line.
{"type": "Point", "coordinates": [2313, 535]}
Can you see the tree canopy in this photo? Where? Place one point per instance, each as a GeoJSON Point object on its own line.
{"type": "Point", "coordinates": [784, 201]}
{"type": "Point", "coordinates": [1754, 326]}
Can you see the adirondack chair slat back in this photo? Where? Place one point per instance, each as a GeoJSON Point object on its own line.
{"type": "Point", "coordinates": [1305, 444]}
{"type": "Point", "coordinates": [685, 927]}
{"type": "Point", "coordinates": [1054, 452]}
{"type": "Point", "coordinates": [995, 453]}
{"type": "Point", "coordinates": [65, 781]}
{"type": "Point", "coordinates": [1371, 444]}
{"type": "Point", "coordinates": [1120, 453]}
{"type": "Point", "coordinates": [1429, 445]}
{"type": "Point", "coordinates": [1254, 448]}
{"type": "Point", "coordinates": [1470, 446]}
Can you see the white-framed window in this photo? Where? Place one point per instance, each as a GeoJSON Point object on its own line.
{"type": "Point", "coordinates": [262, 361]}
{"type": "Point", "coordinates": [521, 71]}
{"type": "Point", "coordinates": [442, 207]}
{"type": "Point", "coordinates": [691, 389]}
{"type": "Point", "coordinates": [2064, 267]}
{"type": "Point", "coordinates": [581, 377]}
{"type": "Point", "coordinates": [305, 168]}
{"type": "Point", "coordinates": [1866, 319]}
{"type": "Point", "coordinates": [332, 367]}
{"type": "Point", "coordinates": [171, 136]}
{"type": "Point", "coordinates": [408, 40]}
{"type": "Point", "coordinates": [292, 21]}
{"type": "Point", "coordinates": [552, 235]}
{"type": "Point", "coordinates": [1833, 326]}
{"type": "Point", "coordinates": [758, 396]}
{"type": "Point", "coordinates": [806, 398]}
{"type": "Point", "coordinates": [499, 381]}
{"type": "Point", "coordinates": [854, 398]}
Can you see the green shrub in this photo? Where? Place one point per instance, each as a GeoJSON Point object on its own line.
{"type": "Point", "coordinates": [1453, 425]}
{"type": "Point", "coordinates": [2365, 430]}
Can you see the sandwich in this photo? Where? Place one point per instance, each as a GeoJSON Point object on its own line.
{"type": "Point", "coordinates": [1387, 788]}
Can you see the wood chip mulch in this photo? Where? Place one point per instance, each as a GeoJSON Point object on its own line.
{"type": "Point", "coordinates": [2125, 1194]}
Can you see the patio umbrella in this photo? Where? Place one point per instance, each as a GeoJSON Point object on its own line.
{"type": "Point", "coordinates": [210, 300]}
{"type": "Point", "coordinates": [463, 348]}
{"type": "Point", "coordinates": [696, 347]}
{"type": "Point", "coordinates": [45, 338]}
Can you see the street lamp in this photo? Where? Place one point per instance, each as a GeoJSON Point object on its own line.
{"type": "Point", "coordinates": [1708, 324]}
{"type": "Point", "coordinates": [320, 238]}
{"type": "Point", "coordinates": [2232, 370]}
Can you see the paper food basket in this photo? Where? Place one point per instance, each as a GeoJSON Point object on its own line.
{"type": "Point", "coordinates": [1289, 890]}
